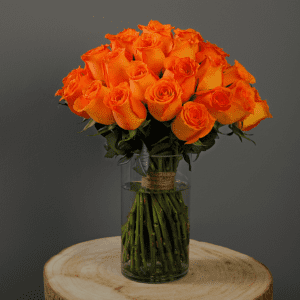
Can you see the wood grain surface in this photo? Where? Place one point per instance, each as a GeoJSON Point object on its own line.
{"type": "Point", "coordinates": [92, 271]}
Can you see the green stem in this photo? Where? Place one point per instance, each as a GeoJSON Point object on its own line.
{"type": "Point", "coordinates": [160, 164]}
{"type": "Point", "coordinates": [131, 220]}
{"type": "Point", "coordinates": [166, 210]}
{"type": "Point", "coordinates": [169, 236]}
{"type": "Point", "coordinates": [183, 220]}
{"type": "Point", "coordinates": [137, 236]}
{"type": "Point", "coordinates": [180, 242]}
{"type": "Point", "coordinates": [124, 248]}
{"type": "Point", "coordinates": [152, 245]}
{"type": "Point", "coordinates": [124, 232]}
{"type": "Point", "coordinates": [165, 234]}
{"type": "Point", "coordinates": [159, 239]}
{"type": "Point", "coordinates": [141, 196]}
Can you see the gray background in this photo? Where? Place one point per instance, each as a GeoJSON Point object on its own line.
{"type": "Point", "coordinates": [57, 189]}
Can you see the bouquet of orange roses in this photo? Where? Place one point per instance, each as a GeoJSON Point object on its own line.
{"type": "Point", "coordinates": [155, 93]}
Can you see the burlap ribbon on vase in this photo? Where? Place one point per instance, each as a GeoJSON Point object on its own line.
{"type": "Point", "coordinates": [159, 180]}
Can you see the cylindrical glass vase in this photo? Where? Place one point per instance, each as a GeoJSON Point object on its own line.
{"type": "Point", "coordinates": [155, 201]}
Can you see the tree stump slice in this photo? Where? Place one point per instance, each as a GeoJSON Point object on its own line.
{"type": "Point", "coordinates": [92, 271]}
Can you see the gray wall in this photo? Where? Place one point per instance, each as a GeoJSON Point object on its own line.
{"type": "Point", "coordinates": [56, 187]}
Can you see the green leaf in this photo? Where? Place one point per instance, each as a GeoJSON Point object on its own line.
{"type": "Point", "coordinates": [63, 103]}
{"type": "Point", "coordinates": [166, 137]}
{"type": "Point", "coordinates": [193, 97]}
{"type": "Point", "coordinates": [159, 148]}
{"type": "Point", "coordinates": [239, 132]}
{"type": "Point", "coordinates": [196, 86]}
{"type": "Point", "coordinates": [94, 134]}
{"type": "Point", "coordinates": [145, 123]}
{"type": "Point", "coordinates": [101, 129]}
{"type": "Point", "coordinates": [106, 147]}
{"type": "Point", "coordinates": [126, 146]}
{"type": "Point", "coordinates": [217, 125]}
{"type": "Point", "coordinates": [198, 143]}
{"type": "Point", "coordinates": [112, 126]}
{"type": "Point", "coordinates": [161, 74]}
{"type": "Point", "coordinates": [142, 162]}
{"type": "Point", "coordinates": [125, 159]}
{"type": "Point", "coordinates": [84, 120]}
{"type": "Point", "coordinates": [197, 156]}
{"type": "Point", "coordinates": [187, 159]}
{"type": "Point", "coordinates": [132, 133]}
{"type": "Point", "coordinates": [88, 125]}
{"type": "Point", "coordinates": [110, 153]}
{"type": "Point", "coordinates": [112, 141]}
{"type": "Point", "coordinates": [142, 131]}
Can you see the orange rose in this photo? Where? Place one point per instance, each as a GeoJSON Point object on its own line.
{"type": "Point", "coordinates": [193, 122]}
{"type": "Point", "coordinates": [75, 84]}
{"type": "Point", "coordinates": [216, 54]}
{"type": "Point", "coordinates": [217, 101]}
{"type": "Point", "coordinates": [147, 48]}
{"type": "Point", "coordinates": [166, 36]}
{"type": "Point", "coordinates": [123, 39]}
{"type": "Point", "coordinates": [186, 43]}
{"type": "Point", "coordinates": [140, 77]}
{"type": "Point", "coordinates": [115, 66]}
{"type": "Point", "coordinates": [164, 99]}
{"type": "Point", "coordinates": [72, 75]}
{"type": "Point", "coordinates": [221, 104]}
{"type": "Point", "coordinates": [94, 61]}
{"type": "Point", "coordinates": [261, 112]}
{"type": "Point", "coordinates": [92, 103]}
{"type": "Point", "coordinates": [129, 114]}
{"type": "Point", "coordinates": [242, 103]}
{"type": "Point", "coordinates": [184, 71]}
{"type": "Point", "coordinates": [236, 72]}
{"type": "Point", "coordinates": [210, 75]}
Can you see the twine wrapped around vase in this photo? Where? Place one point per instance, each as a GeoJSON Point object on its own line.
{"type": "Point", "coordinates": [159, 181]}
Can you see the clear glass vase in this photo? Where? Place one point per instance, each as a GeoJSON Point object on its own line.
{"type": "Point", "coordinates": [155, 199]}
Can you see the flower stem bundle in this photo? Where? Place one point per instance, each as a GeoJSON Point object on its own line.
{"type": "Point", "coordinates": [155, 238]}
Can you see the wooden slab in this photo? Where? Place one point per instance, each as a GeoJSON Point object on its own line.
{"type": "Point", "coordinates": [92, 271]}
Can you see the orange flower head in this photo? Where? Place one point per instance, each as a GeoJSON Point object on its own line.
{"type": "Point", "coordinates": [74, 74]}
{"type": "Point", "coordinates": [115, 65]}
{"type": "Point", "coordinates": [164, 99]}
{"type": "Point", "coordinates": [190, 35]}
{"type": "Point", "coordinates": [216, 54]}
{"type": "Point", "coordinates": [94, 61]}
{"type": "Point", "coordinates": [75, 84]}
{"type": "Point", "coordinates": [184, 71]}
{"type": "Point", "coordinates": [148, 40]}
{"type": "Point", "coordinates": [186, 43]}
{"type": "Point", "coordinates": [209, 74]}
{"type": "Point", "coordinates": [164, 32]}
{"type": "Point", "coordinates": [237, 72]}
{"type": "Point", "coordinates": [128, 113]}
{"type": "Point", "coordinates": [124, 39]}
{"type": "Point", "coordinates": [261, 112]}
{"type": "Point", "coordinates": [221, 99]}
{"type": "Point", "coordinates": [92, 103]}
{"type": "Point", "coordinates": [157, 27]}
{"type": "Point", "coordinates": [148, 48]}
{"type": "Point", "coordinates": [218, 101]}
{"type": "Point", "coordinates": [140, 77]}
{"type": "Point", "coordinates": [243, 95]}
{"type": "Point", "coordinates": [193, 122]}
